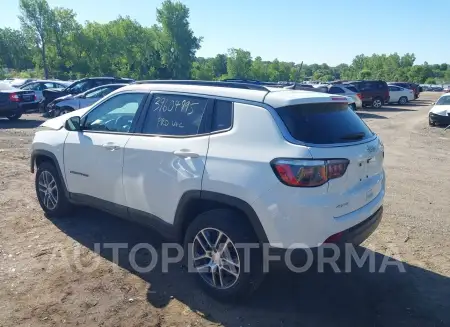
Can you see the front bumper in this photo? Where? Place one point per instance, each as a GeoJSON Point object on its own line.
{"type": "Point", "coordinates": [439, 120]}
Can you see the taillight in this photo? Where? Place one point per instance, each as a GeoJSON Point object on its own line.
{"type": "Point", "coordinates": [35, 97]}
{"type": "Point", "coordinates": [14, 97]}
{"type": "Point", "coordinates": [334, 238]}
{"type": "Point", "coordinates": [308, 173]}
{"type": "Point", "coordinates": [359, 95]}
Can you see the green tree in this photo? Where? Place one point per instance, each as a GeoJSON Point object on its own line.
{"type": "Point", "coordinates": [34, 18]}
{"type": "Point", "coordinates": [177, 43]}
{"type": "Point", "coordinates": [14, 50]}
{"type": "Point", "coordinates": [219, 65]}
{"type": "Point", "coordinates": [365, 74]}
{"type": "Point", "coordinates": [239, 63]}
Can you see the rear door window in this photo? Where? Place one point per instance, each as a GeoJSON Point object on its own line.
{"type": "Point", "coordinates": [324, 123]}
{"type": "Point", "coordinates": [175, 115]}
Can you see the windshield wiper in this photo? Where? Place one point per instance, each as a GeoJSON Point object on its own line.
{"type": "Point", "coordinates": [354, 136]}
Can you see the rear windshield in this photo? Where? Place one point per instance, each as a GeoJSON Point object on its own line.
{"type": "Point", "coordinates": [324, 123]}
{"type": "Point", "coordinates": [351, 88]}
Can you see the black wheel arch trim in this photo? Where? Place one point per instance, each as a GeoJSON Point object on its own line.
{"type": "Point", "coordinates": [36, 153]}
{"type": "Point", "coordinates": [228, 200]}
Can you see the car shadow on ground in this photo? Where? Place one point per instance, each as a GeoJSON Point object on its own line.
{"type": "Point", "coordinates": [416, 297]}
{"type": "Point", "coordinates": [394, 108]}
{"type": "Point", "coordinates": [369, 115]}
{"type": "Point", "coordinates": [21, 123]}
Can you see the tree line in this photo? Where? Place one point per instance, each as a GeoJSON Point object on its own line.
{"type": "Point", "coordinates": [51, 43]}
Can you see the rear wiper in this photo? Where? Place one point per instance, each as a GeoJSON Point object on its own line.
{"type": "Point", "coordinates": [354, 136]}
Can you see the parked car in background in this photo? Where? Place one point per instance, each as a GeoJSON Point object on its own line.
{"type": "Point", "coordinates": [446, 89]}
{"type": "Point", "coordinates": [346, 90]}
{"type": "Point", "coordinates": [80, 86]}
{"type": "Point", "coordinates": [412, 86]}
{"type": "Point", "coordinates": [373, 93]}
{"type": "Point", "coordinates": [13, 101]}
{"type": "Point", "coordinates": [41, 85]}
{"type": "Point", "coordinates": [436, 88]}
{"type": "Point", "coordinates": [440, 113]}
{"type": "Point", "coordinates": [18, 82]}
{"type": "Point", "coordinates": [400, 95]}
{"type": "Point", "coordinates": [70, 103]}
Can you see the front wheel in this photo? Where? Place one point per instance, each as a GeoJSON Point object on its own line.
{"type": "Point", "coordinates": [402, 100]}
{"type": "Point", "coordinates": [62, 111]}
{"type": "Point", "coordinates": [215, 246]}
{"type": "Point", "coordinates": [430, 122]}
{"type": "Point", "coordinates": [15, 117]}
{"type": "Point", "coordinates": [377, 103]}
{"type": "Point", "coordinates": [50, 191]}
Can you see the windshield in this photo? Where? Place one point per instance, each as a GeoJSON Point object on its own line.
{"type": "Point", "coordinates": [78, 87]}
{"type": "Point", "coordinates": [351, 88]}
{"type": "Point", "coordinates": [443, 101]}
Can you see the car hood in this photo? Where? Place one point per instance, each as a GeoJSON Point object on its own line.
{"type": "Point", "coordinates": [58, 122]}
{"type": "Point", "coordinates": [440, 110]}
{"type": "Point", "coordinates": [65, 97]}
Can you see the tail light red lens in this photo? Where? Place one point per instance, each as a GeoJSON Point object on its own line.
{"type": "Point", "coordinates": [334, 238]}
{"type": "Point", "coordinates": [359, 95]}
{"type": "Point", "coordinates": [14, 97]}
{"type": "Point", "coordinates": [308, 173]}
{"type": "Point", "coordinates": [35, 97]}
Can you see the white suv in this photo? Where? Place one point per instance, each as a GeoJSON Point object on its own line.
{"type": "Point", "coordinates": [217, 164]}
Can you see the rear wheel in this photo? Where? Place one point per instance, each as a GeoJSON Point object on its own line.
{"type": "Point", "coordinates": [402, 100]}
{"type": "Point", "coordinates": [377, 103]}
{"type": "Point", "coordinates": [15, 116]}
{"type": "Point", "coordinates": [212, 246]}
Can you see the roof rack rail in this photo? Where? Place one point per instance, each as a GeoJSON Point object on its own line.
{"type": "Point", "coordinates": [237, 85]}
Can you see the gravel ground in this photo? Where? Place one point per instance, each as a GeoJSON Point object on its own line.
{"type": "Point", "coordinates": [42, 285]}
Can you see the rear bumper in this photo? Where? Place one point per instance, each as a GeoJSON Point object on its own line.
{"type": "Point", "coordinates": [296, 218]}
{"type": "Point", "coordinates": [11, 109]}
{"type": "Point", "coordinates": [440, 120]}
{"type": "Point", "coordinates": [352, 236]}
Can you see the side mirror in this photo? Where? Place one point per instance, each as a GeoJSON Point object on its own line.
{"type": "Point", "coordinates": [73, 124]}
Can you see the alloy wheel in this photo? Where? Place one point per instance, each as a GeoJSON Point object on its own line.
{"type": "Point", "coordinates": [48, 190]}
{"type": "Point", "coordinates": [216, 259]}
{"type": "Point", "coordinates": [377, 103]}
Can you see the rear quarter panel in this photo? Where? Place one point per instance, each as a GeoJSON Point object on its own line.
{"type": "Point", "coordinates": [238, 160]}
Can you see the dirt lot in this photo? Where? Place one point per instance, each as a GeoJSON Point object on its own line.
{"type": "Point", "coordinates": [41, 284]}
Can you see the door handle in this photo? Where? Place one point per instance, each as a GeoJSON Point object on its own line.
{"type": "Point", "coordinates": [111, 146]}
{"type": "Point", "coordinates": [184, 153]}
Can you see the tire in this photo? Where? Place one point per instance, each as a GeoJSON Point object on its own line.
{"type": "Point", "coordinates": [15, 117]}
{"type": "Point", "coordinates": [231, 224]}
{"type": "Point", "coordinates": [402, 100]}
{"type": "Point", "coordinates": [430, 122]}
{"type": "Point", "coordinates": [62, 111]}
{"type": "Point", "coordinates": [353, 105]}
{"type": "Point", "coordinates": [50, 191]}
{"type": "Point", "coordinates": [377, 103]}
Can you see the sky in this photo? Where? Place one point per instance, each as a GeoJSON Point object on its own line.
{"type": "Point", "coordinates": [323, 31]}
